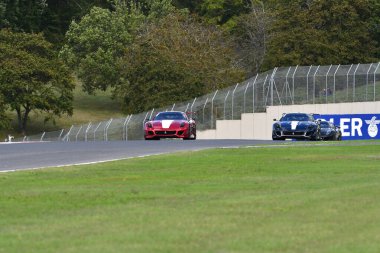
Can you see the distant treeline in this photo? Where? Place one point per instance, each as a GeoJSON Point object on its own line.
{"type": "Point", "coordinates": [156, 52]}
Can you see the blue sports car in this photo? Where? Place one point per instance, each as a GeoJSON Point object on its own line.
{"type": "Point", "coordinates": [329, 131]}
{"type": "Point", "coordinates": [296, 126]}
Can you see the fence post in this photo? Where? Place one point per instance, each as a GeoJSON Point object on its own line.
{"type": "Point", "coordinates": [106, 129]}
{"type": "Point", "coordinates": [334, 88]}
{"type": "Point", "coordinates": [374, 82]}
{"type": "Point", "coordinates": [87, 129]}
{"type": "Point", "coordinates": [253, 94]}
{"type": "Point", "coordinates": [191, 108]}
{"type": "Point", "coordinates": [327, 74]}
{"type": "Point", "coordinates": [287, 85]}
{"type": "Point", "coordinates": [232, 104]}
{"type": "Point", "coordinates": [294, 73]}
{"type": "Point", "coordinates": [143, 122]}
{"type": "Point", "coordinates": [366, 84]}
{"type": "Point", "coordinates": [245, 91]}
{"type": "Point", "coordinates": [42, 136]}
{"type": "Point", "coordinates": [96, 129]}
{"type": "Point", "coordinates": [173, 107]}
{"type": "Point", "coordinates": [314, 83]}
{"type": "Point", "coordinates": [60, 135]}
{"type": "Point", "coordinates": [307, 84]}
{"type": "Point", "coordinates": [212, 108]}
{"type": "Point", "coordinates": [76, 136]}
{"type": "Point", "coordinates": [224, 108]}
{"type": "Point", "coordinates": [348, 72]}
{"type": "Point", "coordinates": [272, 84]}
{"type": "Point", "coordinates": [125, 122]}
{"type": "Point", "coordinates": [187, 107]}
{"type": "Point", "coordinates": [266, 77]}
{"type": "Point", "coordinates": [354, 84]}
{"type": "Point", "coordinates": [67, 136]}
{"type": "Point", "coordinates": [151, 114]}
{"type": "Point", "coordinates": [126, 127]}
{"type": "Point", "coordinates": [204, 106]}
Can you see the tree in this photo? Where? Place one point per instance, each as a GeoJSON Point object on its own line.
{"type": "Point", "coordinates": [22, 15]}
{"type": "Point", "coordinates": [224, 12]}
{"type": "Point", "coordinates": [97, 41]}
{"type": "Point", "coordinates": [32, 77]}
{"type": "Point", "coordinates": [59, 14]}
{"type": "Point", "coordinates": [192, 5]}
{"type": "Point", "coordinates": [48, 16]}
{"type": "Point", "coordinates": [4, 120]}
{"type": "Point", "coordinates": [173, 60]}
{"type": "Point", "coordinates": [375, 25]}
{"type": "Point", "coordinates": [321, 32]}
{"type": "Point", "coordinates": [252, 35]}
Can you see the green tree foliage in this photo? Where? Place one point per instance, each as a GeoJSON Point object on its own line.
{"type": "Point", "coordinates": [193, 6]}
{"type": "Point", "coordinates": [51, 17]}
{"type": "Point", "coordinates": [22, 15]}
{"type": "Point", "coordinates": [32, 77]}
{"type": "Point", "coordinates": [251, 34]}
{"type": "Point", "coordinates": [224, 12]}
{"type": "Point", "coordinates": [375, 24]}
{"type": "Point", "coordinates": [321, 32]}
{"type": "Point", "coordinates": [173, 60]}
{"type": "Point", "coordinates": [96, 42]}
{"type": "Point", "coordinates": [59, 14]}
{"type": "Point", "coordinates": [4, 120]}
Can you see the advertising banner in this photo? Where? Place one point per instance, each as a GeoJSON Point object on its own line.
{"type": "Point", "coordinates": [355, 126]}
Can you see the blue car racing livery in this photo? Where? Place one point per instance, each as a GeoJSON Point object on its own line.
{"type": "Point", "coordinates": [296, 126]}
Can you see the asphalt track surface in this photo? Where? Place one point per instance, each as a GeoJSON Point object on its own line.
{"type": "Point", "coordinates": [21, 156]}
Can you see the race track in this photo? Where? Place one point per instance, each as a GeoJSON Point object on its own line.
{"type": "Point", "coordinates": [20, 156]}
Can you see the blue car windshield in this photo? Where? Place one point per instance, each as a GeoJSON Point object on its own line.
{"type": "Point", "coordinates": [170, 116]}
{"type": "Point", "coordinates": [296, 117]}
{"type": "Point", "coordinates": [325, 124]}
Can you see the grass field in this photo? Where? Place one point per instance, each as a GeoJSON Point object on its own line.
{"type": "Point", "coordinates": [294, 199]}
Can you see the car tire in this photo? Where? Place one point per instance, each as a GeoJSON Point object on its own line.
{"type": "Point", "coordinates": [278, 138]}
{"type": "Point", "coordinates": [192, 136]}
{"type": "Point", "coordinates": [317, 136]}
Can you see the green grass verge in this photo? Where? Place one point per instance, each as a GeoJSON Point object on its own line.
{"type": "Point", "coordinates": [87, 108]}
{"type": "Point", "coordinates": [294, 199]}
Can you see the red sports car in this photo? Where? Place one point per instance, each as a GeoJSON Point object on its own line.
{"type": "Point", "coordinates": [170, 125]}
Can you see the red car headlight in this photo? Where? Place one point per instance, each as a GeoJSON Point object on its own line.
{"type": "Point", "coordinates": [182, 124]}
{"type": "Point", "coordinates": [149, 125]}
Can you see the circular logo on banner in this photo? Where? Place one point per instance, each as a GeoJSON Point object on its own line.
{"type": "Point", "coordinates": [372, 128]}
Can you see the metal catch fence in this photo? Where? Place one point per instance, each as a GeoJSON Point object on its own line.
{"type": "Point", "coordinates": [280, 86]}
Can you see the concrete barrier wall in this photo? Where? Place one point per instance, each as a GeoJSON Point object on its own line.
{"type": "Point", "coordinates": [259, 125]}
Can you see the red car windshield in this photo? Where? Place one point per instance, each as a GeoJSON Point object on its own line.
{"type": "Point", "coordinates": [170, 116]}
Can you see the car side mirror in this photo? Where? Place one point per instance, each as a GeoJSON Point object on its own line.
{"type": "Point", "coordinates": [274, 119]}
